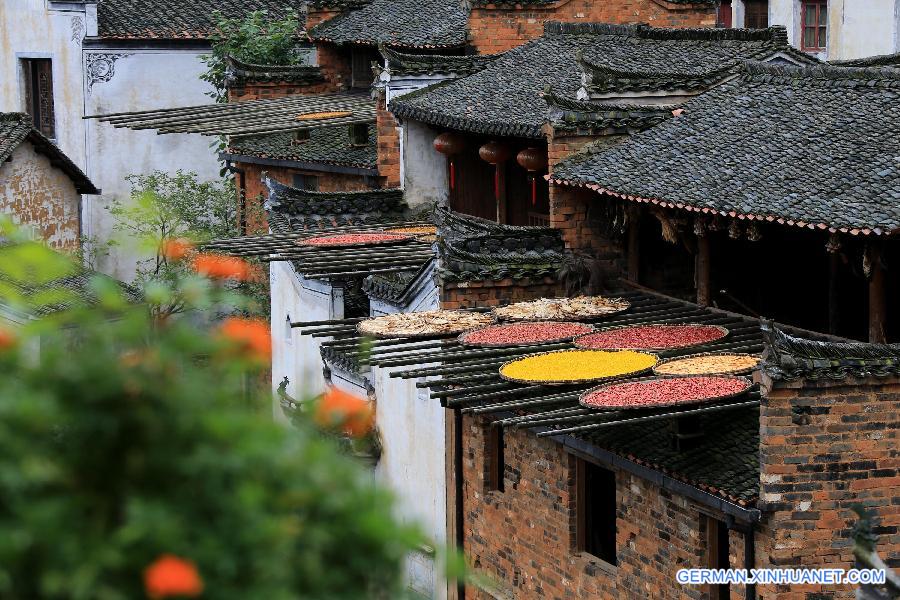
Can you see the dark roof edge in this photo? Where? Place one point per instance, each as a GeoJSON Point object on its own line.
{"type": "Point", "coordinates": [505, 129]}
{"type": "Point", "coordinates": [880, 60]}
{"type": "Point", "coordinates": [304, 165]}
{"type": "Point", "coordinates": [776, 33]}
{"type": "Point", "coordinates": [822, 72]}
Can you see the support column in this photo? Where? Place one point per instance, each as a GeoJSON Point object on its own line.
{"type": "Point", "coordinates": [702, 264]}
{"type": "Point", "coordinates": [877, 298]}
{"type": "Point", "coordinates": [500, 184]}
{"type": "Point", "coordinates": [833, 247]}
{"type": "Point", "coordinates": [634, 256]}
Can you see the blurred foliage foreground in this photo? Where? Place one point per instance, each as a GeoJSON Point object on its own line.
{"type": "Point", "coordinates": [137, 461]}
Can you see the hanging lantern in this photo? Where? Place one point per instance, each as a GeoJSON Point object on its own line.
{"type": "Point", "coordinates": [533, 160]}
{"type": "Point", "coordinates": [450, 144]}
{"type": "Point", "coordinates": [496, 154]}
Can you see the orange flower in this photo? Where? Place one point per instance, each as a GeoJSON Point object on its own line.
{"type": "Point", "coordinates": [251, 334]}
{"type": "Point", "coordinates": [7, 339]}
{"type": "Point", "coordinates": [176, 248]}
{"type": "Point", "coordinates": [352, 414]}
{"type": "Point", "coordinates": [223, 267]}
{"type": "Point", "coordinates": [172, 576]}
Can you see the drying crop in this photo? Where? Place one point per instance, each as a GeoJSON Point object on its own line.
{"type": "Point", "coordinates": [354, 239]}
{"type": "Point", "coordinates": [522, 334]}
{"type": "Point", "coordinates": [576, 366]}
{"type": "Point", "coordinates": [561, 309]}
{"type": "Point", "coordinates": [708, 364]}
{"type": "Point", "coordinates": [651, 337]}
{"type": "Point", "coordinates": [652, 393]}
{"type": "Point", "coordinates": [426, 323]}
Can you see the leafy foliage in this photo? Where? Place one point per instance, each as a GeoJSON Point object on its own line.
{"type": "Point", "coordinates": [255, 39]}
{"type": "Point", "coordinates": [125, 437]}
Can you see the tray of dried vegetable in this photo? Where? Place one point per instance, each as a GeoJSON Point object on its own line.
{"type": "Point", "coordinates": [430, 323]}
{"type": "Point", "coordinates": [562, 309]}
{"type": "Point", "coordinates": [569, 367]}
{"type": "Point", "coordinates": [349, 240]}
{"type": "Point", "coordinates": [708, 363]}
{"type": "Point", "coordinates": [523, 333]}
{"type": "Point", "coordinates": [651, 337]}
{"type": "Point", "coordinates": [658, 392]}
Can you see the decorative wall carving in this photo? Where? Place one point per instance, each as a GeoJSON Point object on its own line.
{"type": "Point", "coordinates": [100, 67]}
{"type": "Point", "coordinates": [77, 30]}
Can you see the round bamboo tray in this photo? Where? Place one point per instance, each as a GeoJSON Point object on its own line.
{"type": "Point", "coordinates": [426, 324]}
{"type": "Point", "coordinates": [747, 384]}
{"type": "Point", "coordinates": [463, 341]}
{"type": "Point", "coordinates": [507, 313]}
{"type": "Point", "coordinates": [376, 240]}
{"type": "Point", "coordinates": [723, 333]}
{"type": "Point", "coordinates": [739, 371]}
{"type": "Point", "coordinates": [651, 362]}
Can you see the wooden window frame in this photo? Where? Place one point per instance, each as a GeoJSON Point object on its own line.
{"type": "Point", "coordinates": [39, 94]}
{"type": "Point", "coordinates": [821, 7]}
{"type": "Point", "coordinates": [306, 180]}
{"type": "Point", "coordinates": [581, 512]}
{"type": "Point", "coordinates": [717, 550]}
{"type": "Point", "coordinates": [755, 13]}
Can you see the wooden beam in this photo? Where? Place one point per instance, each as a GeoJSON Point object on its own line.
{"type": "Point", "coordinates": [634, 256]}
{"type": "Point", "coordinates": [702, 271]}
{"type": "Point", "coordinates": [877, 298]}
{"type": "Point", "coordinates": [500, 174]}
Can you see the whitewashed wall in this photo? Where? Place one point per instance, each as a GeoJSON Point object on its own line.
{"type": "Point", "coordinates": [425, 175]}
{"type": "Point", "coordinates": [30, 29]}
{"type": "Point", "coordinates": [123, 80]}
{"type": "Point", "coordinates": [857, 28]}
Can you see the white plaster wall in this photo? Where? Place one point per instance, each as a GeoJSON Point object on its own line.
{"type": "Point", "coordinates": [37, 195]}
{"type": "Point", "coordinates": [294, 356]}
{"type": "Point", "coordinates": [29, 29]}
{"type": "Point", "coordinates": [424, 168]}
{"type": "Point", "coordinates": [857, 28]}
{"type": "Point", "coordinates": [141, 80]}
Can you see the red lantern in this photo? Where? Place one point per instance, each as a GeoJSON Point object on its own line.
{"type": "Point", "coordinates": [533, 160]}
{"type": "Point", "coordinates": [450, 144]}
{"type": "Point", "coordinates": [496, 154]}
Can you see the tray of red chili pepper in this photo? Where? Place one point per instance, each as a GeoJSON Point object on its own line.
{"type": "Point", "coordinates": [658, 392]}
{"type": "Point", "coordinates": [523, 333]}
{"type": "Point", "coordinates": [349, 240]}
{"type": "Point", "coordinates": [651, 337]}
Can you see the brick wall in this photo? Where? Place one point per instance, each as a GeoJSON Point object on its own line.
{"type": "Point", "coordinates": [523, 537]}
{"type": "Point", "coordinates": [315, 16]}
{"type": "Point", "coordinates": [492, 293]}
{"type": "Point", "coordinates": [825, 445]}
{"type": "Point", "coordinates": [388, 144]}
{"type": "Point", "coordinates": [335, 65]}
{"type": "Point", "coordinates": [493, 29]}
{"type": "Point", "coordinates": [268, 90]}
{"type": "Point", "coordinates": [256, 190]}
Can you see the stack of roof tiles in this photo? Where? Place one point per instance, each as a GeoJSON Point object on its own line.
{"type": "Point", "coordinates": [326, 145]}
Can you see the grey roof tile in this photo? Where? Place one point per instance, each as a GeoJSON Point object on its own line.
{"type": "Point", "coordinates": [179, 19]}
{"type": "Point", "coordinates": [292, 209]}
{"type": "Point", "coordinates": [239, 73]}
{"type": "Point", "coordinates": [326, 145]}
{"type": "Point", "coordinates": [406, 23]}
{"type": "Point", "coordinates": [778, 142]}
{"type": "Point", "coordinates": [505, 98]}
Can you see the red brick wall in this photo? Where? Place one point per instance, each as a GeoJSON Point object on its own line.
{"type": "Point", "coordinates": [261, 91]}
{"type": "Point", "coordinates": [824, 446]}
{"type": "Point", "coordinates": [388, 145]}
{"type": "Point", "coordinates": [523, 538]}
{"type": "Point", "coordinates": [493, 293]}
{"type": "Point", "coordinates": [499, 29]}
{"type": "Point", "coordinates": [256, 191]}
{"type": "Point", "coordinates": [335, 65]}
{"type": "Point", "coordinates": [316, 16]}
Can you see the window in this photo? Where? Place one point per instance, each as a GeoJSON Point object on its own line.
{"type": "Point", "coordinates": [306, 182]}
{"type": "Point", "coordinates": [813, 25]}
{"type": "Point", "coordinates": [361, 64]}
{"type": "Point", "coordinates": [756, 14]}
{"type": "Point", "coordinates": [39, 94]}
{"type": "Point", "coordinates": [717, 555]}
{"type": "Point", "coordinates": [595, 529]}
{"type": "Point", "coordinates": [495, 459]}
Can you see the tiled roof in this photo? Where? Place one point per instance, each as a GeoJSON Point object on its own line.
{"type": "Point", "coordinates": [326, 145]}
{"type": "Point", "coordinates": [16, 128]}
{"type": "Point", "coordinates": [786, 144]}
{"type": "Point", "coordinates": [399, 289]}
{"type": "Point", "coordinates": [882, 60]}
{"type": "Point", "coordinates": [504, 99]}
{"type": "Point", "coordinates": [725, 462]}
{"type": "Point", "coordinates": [292, 209]}
{"type": "Point", "coordinates": [179, 19]}
{"type": "Point", "coordinates": [402, 63]}
{"type": "Point", "coordinates": [239, 73]}
{"type": "Point", "coordinates": [594, 118]}
{"type": "Point", "coordinates": [473, 249]}
{"type": "Point", "coordinates": [405, 23]}
{"type": "Point", "coordinates": [789, 357]}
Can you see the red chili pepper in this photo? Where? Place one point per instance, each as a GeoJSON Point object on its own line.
{"type": "Point", "coordinates": [646, 337]}
{"type": "Point", "coordinates": [663, 392]}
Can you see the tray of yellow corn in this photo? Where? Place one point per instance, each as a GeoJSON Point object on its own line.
{"type": "Point", "coordinates": [709, 363]}
{"type": "Point", "coordinates": [422, 233]}
{"type": "Point", "coordinates": [569, 367]}
{"type": "Point", "coordinates": [431, 323]}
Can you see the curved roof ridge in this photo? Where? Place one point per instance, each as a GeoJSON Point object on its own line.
{"type": "Point", "coordinates": [823, 73]}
